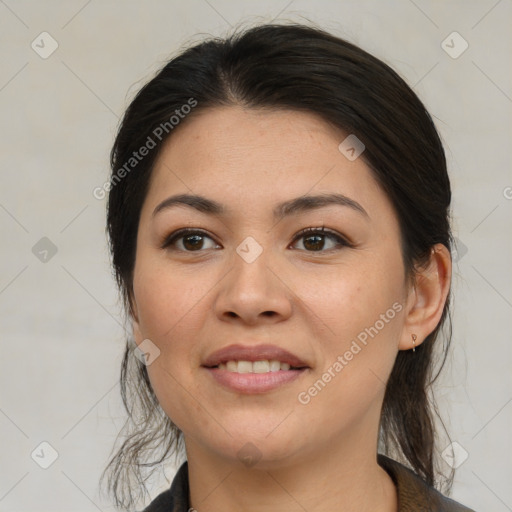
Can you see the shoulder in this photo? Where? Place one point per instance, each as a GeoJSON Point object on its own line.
{"type": "Point", "coordinates": [174, 499]}
{"type": "Point", "coordinates": [414, 495]}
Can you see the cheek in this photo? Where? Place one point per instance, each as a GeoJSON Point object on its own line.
{"type": "Point", "coordinates": [352, 298]}
{"type": "Point", "coordinates": [361, 312]}
{"type": "Point", "coordinates": [168, 301]}
{"type": "Point", "coordinates": [171, 310]}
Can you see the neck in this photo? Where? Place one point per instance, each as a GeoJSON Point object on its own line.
{"type": "Point", "coordinates": [342, 477]}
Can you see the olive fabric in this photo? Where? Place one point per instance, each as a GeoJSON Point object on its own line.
{"type": "Point", "coordinates": [414, 495]}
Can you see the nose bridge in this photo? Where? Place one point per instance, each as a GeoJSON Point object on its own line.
{"type": "Point", "coordinates": [251, 287]}
{"type": "Point", "coordinates": [252, 275]}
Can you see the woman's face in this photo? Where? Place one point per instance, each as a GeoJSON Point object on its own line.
{"type": "Point", "coordinates": [246, 276]}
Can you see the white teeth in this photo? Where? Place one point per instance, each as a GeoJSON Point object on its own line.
{"type": "Point", "coordinates": [231, 366]}
{"type": "Point", "coordinates": [275, 366]}
{"type": "Point", "coordinates": [260, 366]}
{"type": "Point", "coordinates": [244, 367]}
{"type": "Point", "coordinates": [263, 366]}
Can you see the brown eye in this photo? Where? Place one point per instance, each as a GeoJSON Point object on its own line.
{"type": "Point", "coordinates": [314, 240]}
{"type": "Point", "coordinates": [187, 240]}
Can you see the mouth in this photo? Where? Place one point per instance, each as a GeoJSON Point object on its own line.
{"type": "Point", "coordinates": [254, 369]}
{"type": "Point", "coordinates": [261, 366]}
{"type": "Point", "coordinates": [254, 359]}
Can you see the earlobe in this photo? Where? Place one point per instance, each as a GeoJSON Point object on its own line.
{"type": "Point", "coordinates": [427, 298]}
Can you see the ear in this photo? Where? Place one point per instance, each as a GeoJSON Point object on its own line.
{"type": "Point", "coordinates": [427, 297]}
{"type": "Point", "coordinates": [134, 314]}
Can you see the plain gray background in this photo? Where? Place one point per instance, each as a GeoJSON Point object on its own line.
{"type": "Point", "coordinates": [61, 326]}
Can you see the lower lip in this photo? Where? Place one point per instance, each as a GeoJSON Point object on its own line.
{"type": "Point", "coordinates": [252, 383]}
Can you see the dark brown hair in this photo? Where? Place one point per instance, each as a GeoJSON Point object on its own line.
{"type": "Point", "coordinates": [300, 68]}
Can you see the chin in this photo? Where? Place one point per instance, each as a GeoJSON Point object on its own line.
{"type": "Point", "coordinates": [258, 453]}
{"type": "Point", "coordinates": [271, 443]}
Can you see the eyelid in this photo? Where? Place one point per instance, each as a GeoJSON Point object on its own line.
{"type": "Point", "coordinates": [180, 233]}
{"type": "Point", "coordinates": [341, 239]}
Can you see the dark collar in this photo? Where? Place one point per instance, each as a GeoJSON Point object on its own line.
{"type": "Point", "coordinates": [414, 495]}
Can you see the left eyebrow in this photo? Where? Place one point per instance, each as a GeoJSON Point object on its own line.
{"type": "Point", "coordinates": [285, 209]}
{"type": "Point", "coordinates": [305, 203]}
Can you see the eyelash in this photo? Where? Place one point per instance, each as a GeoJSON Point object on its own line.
{"type": "Point", "coordinates": [181, 233]}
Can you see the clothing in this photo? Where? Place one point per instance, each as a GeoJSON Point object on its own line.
{"type": "Point", "coordinates": [414, 495]}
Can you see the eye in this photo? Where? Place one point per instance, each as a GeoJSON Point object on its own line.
{"type": "Point", "coordinates": [314, 239]}
{"type": "Point", "coordinates": [193, 240]}
{"type": "Point", "coordinates": [187, 240]}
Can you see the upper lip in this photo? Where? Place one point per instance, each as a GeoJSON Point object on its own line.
{"type": "Point", "coordinates": [253, 353]}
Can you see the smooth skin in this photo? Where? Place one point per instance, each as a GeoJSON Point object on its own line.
{"type": "Point", "coordinates": [311, 296]}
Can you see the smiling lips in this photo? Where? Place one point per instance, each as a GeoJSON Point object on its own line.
{"type": "Point", "coordinates": [254, 369]}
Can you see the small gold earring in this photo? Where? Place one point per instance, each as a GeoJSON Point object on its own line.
{"type": "Point", "coordinates": [414, 338]}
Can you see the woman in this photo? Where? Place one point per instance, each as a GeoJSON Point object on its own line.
{"type": "Point", "coordinates": [279, 224]}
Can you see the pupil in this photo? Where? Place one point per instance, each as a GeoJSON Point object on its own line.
{"type": "Point", "coordinates": [195, 244]}
{"type": "Point", "coordinates": [316, 245]}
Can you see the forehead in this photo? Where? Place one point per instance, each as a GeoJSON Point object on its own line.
{"type": "Point", "coordinates": [264, 135]}
{"type": "Point", "coordinates": [247, 157]}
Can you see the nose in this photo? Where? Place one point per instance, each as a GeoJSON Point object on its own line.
{"type": "Point", "coordinates": [254, 291]}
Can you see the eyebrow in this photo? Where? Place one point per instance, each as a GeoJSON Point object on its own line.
{"type": "Point", "coordinates": [293, 206]}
